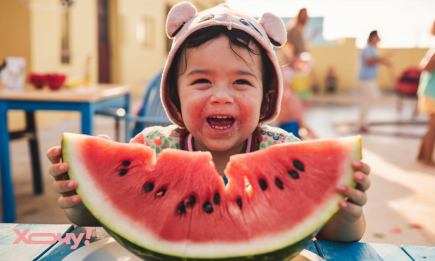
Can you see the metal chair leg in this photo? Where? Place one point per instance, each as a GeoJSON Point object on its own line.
{"type": "Point", "coordinates": [117, 129]}
{"type": "Point", "coordinates": [34, 153]}
{"type": "Point", "coordinates": [399, 103]}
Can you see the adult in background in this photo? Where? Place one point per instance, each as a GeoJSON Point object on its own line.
{"type": "Point", "coordinates": [367, 76]}
{"type": "Point", "coordinates": [289, 54]}
{"type": "Point", "coordinates": [291, 117]}
{"type": "Point", "coordinates": [426, 103]}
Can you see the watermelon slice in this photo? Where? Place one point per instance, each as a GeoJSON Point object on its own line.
{"type": "Point", "coordinates": [178, 207]}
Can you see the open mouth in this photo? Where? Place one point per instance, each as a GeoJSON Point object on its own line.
{"type": "Point", "coordinates": [220, 122]}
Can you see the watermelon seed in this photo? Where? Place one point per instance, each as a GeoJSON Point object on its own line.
{"type": "Point", "coordinates": [192, 201]}
{"type": "Point", "coordinates": [239, 202]}
{"type": "Point", "coordinates": [294, 174]}
{"type": "Point", "coordinates": [126, 163]}
{"type": "Point", "coordinates": [161, 193]}
{"type": "Point", "coordinates": [263, 184]}
{"type": "Point", "coordinates": [181, 208]}
{"type": "Point", "coordinates": [208, 208]}
{"type": "Point", "coordinates": [217, 198]}
{"type": "Point", "coordinates": [149, 187]}
{"type": "Point", "coordinates": [279, 183]}
{"type": "Point", "coordinates": [122, 172]}
{"type": "Point", "coordinates": [298, 165]}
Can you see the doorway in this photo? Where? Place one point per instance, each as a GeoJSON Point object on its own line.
{"type": "Point", "coordinates": [104, 47]}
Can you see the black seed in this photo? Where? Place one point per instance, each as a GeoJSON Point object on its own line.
{"type": "Point", "coordinates": [208, 208]}
{"type": "Point", "coordinates": [217, 198]}
{"type": "Point", "coordinates": [122, 172]}
{"type": "Point", "coordinates": [294, 174]}
{"type": "Point", "coordinates": [298, 165]}
{"type": "Point", "coordinates": [161, 193]}
{"type": "Point", "coordinates": [279, 183]}
{"type": "Point", "coordinates": [181, 208]}
{"type": "Point", "coordinates": [239, 202]}
{"type": "Point", "coordinates": [192, 201]}
{"type": "Point", "coordinates": [263, 184]}
{"type": "Point", "coordinates": [126, 163]}
{"type": "Point", "coordinates": [149, 187]}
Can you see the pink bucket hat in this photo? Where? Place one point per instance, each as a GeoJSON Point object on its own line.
{"type": "Point", "coordinates": [183, 20]}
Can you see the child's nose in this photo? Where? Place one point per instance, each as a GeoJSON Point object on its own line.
{"type": "Point", "coordinates": [222, 96]}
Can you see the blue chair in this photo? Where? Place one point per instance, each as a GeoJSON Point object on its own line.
{"type": "Point", "coordinates": [291, 127]}
{"type": "Point", "coordinates": [151, 113]}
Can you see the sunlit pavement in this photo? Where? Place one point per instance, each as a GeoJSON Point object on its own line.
{"type": "Point", "coordinates": [402, 192]}
{"type": "Point", "coordinates": [402, 195]}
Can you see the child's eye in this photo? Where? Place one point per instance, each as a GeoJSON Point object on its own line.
{"type": "Point", "coordinates": [201, 81]}
{"type": "Point", "coordinates": [241, 82]}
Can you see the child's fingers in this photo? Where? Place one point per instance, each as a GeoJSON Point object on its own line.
{"type": "Point", "coordinates": [57, 170]}
{"type": "Point", "coordinates": [351, 209]}
{"type": "Point", "coordinates": [104, 136]}
{"type": "Point", "coordinates": [356, 196]}
{"type": "Point", "coordinates": [54, 154]}
{"type": "Point", "coordinates": [359, 165]}
{"type": "Point", "coordinates": [362, 180]}
{"type": "Point", "coordinates": [64, 186]}
{"type": "Point", "coordinates": [68, 201]}
{"type": "Point", "coordinates": [366, 168]}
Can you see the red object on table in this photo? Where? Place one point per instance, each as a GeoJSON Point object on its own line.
{"type": "Point", "coordinates": [55, 81]}
{"type": "Point", "coordinates": [37, 80]}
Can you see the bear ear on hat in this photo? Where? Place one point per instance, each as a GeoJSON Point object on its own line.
{"type": "Point", "coordinates": [275, 29]}
{"type": "Point", "coordinates": [178, 16]}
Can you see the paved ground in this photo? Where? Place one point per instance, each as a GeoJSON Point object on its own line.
{"type": "Point", "coordinates": [402, 192]}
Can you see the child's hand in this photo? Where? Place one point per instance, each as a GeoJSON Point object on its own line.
{"type": "Point", "coordinates": [351, 210]}
{"type": "Point", "coordinates": [61, 186]}
{"type": "Point", "coordinates": [68, 200]}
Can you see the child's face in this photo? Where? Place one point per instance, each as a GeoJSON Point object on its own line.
{"type": "Point", "coordinates": [221, 94]}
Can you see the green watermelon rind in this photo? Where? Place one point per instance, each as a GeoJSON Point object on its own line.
{"type": "Point", "coordinates": [287, 253]}
{"type": "Point", "coordinates": [293, 247]}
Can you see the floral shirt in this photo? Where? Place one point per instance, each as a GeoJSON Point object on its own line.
{"type": "Point", "coordinates": [160, 138]}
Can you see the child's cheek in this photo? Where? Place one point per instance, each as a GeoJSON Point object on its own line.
{"type": "Point", "coordinates": [195, 106]}
{"type": "Point", "coordinates": [249, 109]}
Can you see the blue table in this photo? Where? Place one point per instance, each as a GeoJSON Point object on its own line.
{"type": "Point", "coordinates": [326, 249]}
{"type": "Point", "coordinates": [86, 101]}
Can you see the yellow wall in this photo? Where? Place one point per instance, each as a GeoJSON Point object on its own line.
{"type": "Point", "coordinates": [15, 41]}
{"type": "Point", "coordinates": [46, 39]}
{"type": "Point", "coordinates": [344, 58]}
{"type": "Point", "coordinates": [14, 30]}
{"type": "Point", "coordinates": [400, 59]}
{"type": "Point", "coordinates": [36, 35]}
{"type": "Point", "coordinates": [137, 62]}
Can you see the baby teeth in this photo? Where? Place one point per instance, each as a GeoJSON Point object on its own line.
{"type": "Point", "coordinates": [220, 117]}
{"type": "Point", "coordinates": [221, 127]}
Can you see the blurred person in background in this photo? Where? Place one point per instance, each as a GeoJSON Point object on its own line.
{"type": "Point", "coordinates": [290, 53]}
{"type": "Point", "coordinates": [367, 76]}
{"type": "Point", "coordinates": [426, 103]}
{"type": "Point", "coordinates": [291, 117]}
{"type": "Point", "coordinates": [331, 81]}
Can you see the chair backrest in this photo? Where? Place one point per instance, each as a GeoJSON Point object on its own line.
{"type": "Point", "coordinates": [152, 106]}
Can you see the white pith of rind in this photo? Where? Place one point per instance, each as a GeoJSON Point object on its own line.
{"type": "Point", "coordinates": [97, 202]}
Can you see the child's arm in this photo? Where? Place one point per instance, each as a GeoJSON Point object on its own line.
{"type": "Point", "coordinates": [348, 224]}
{"type": "Point", "coordinates": [74, 209]}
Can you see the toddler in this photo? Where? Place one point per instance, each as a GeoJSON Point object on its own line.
{"type": "Point", "coordinates": [221, 85]}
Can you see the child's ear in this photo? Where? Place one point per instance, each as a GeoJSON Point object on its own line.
{"type": "Point", "coordinates": [180, 14]}
{"type": "Point", "coordinates": [266, 104]}
{"type": "Point", "coordinates": [275, 29]}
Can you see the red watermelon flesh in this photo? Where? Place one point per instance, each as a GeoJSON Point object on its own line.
{"type": "Point", "coordinates": [179, 206]}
